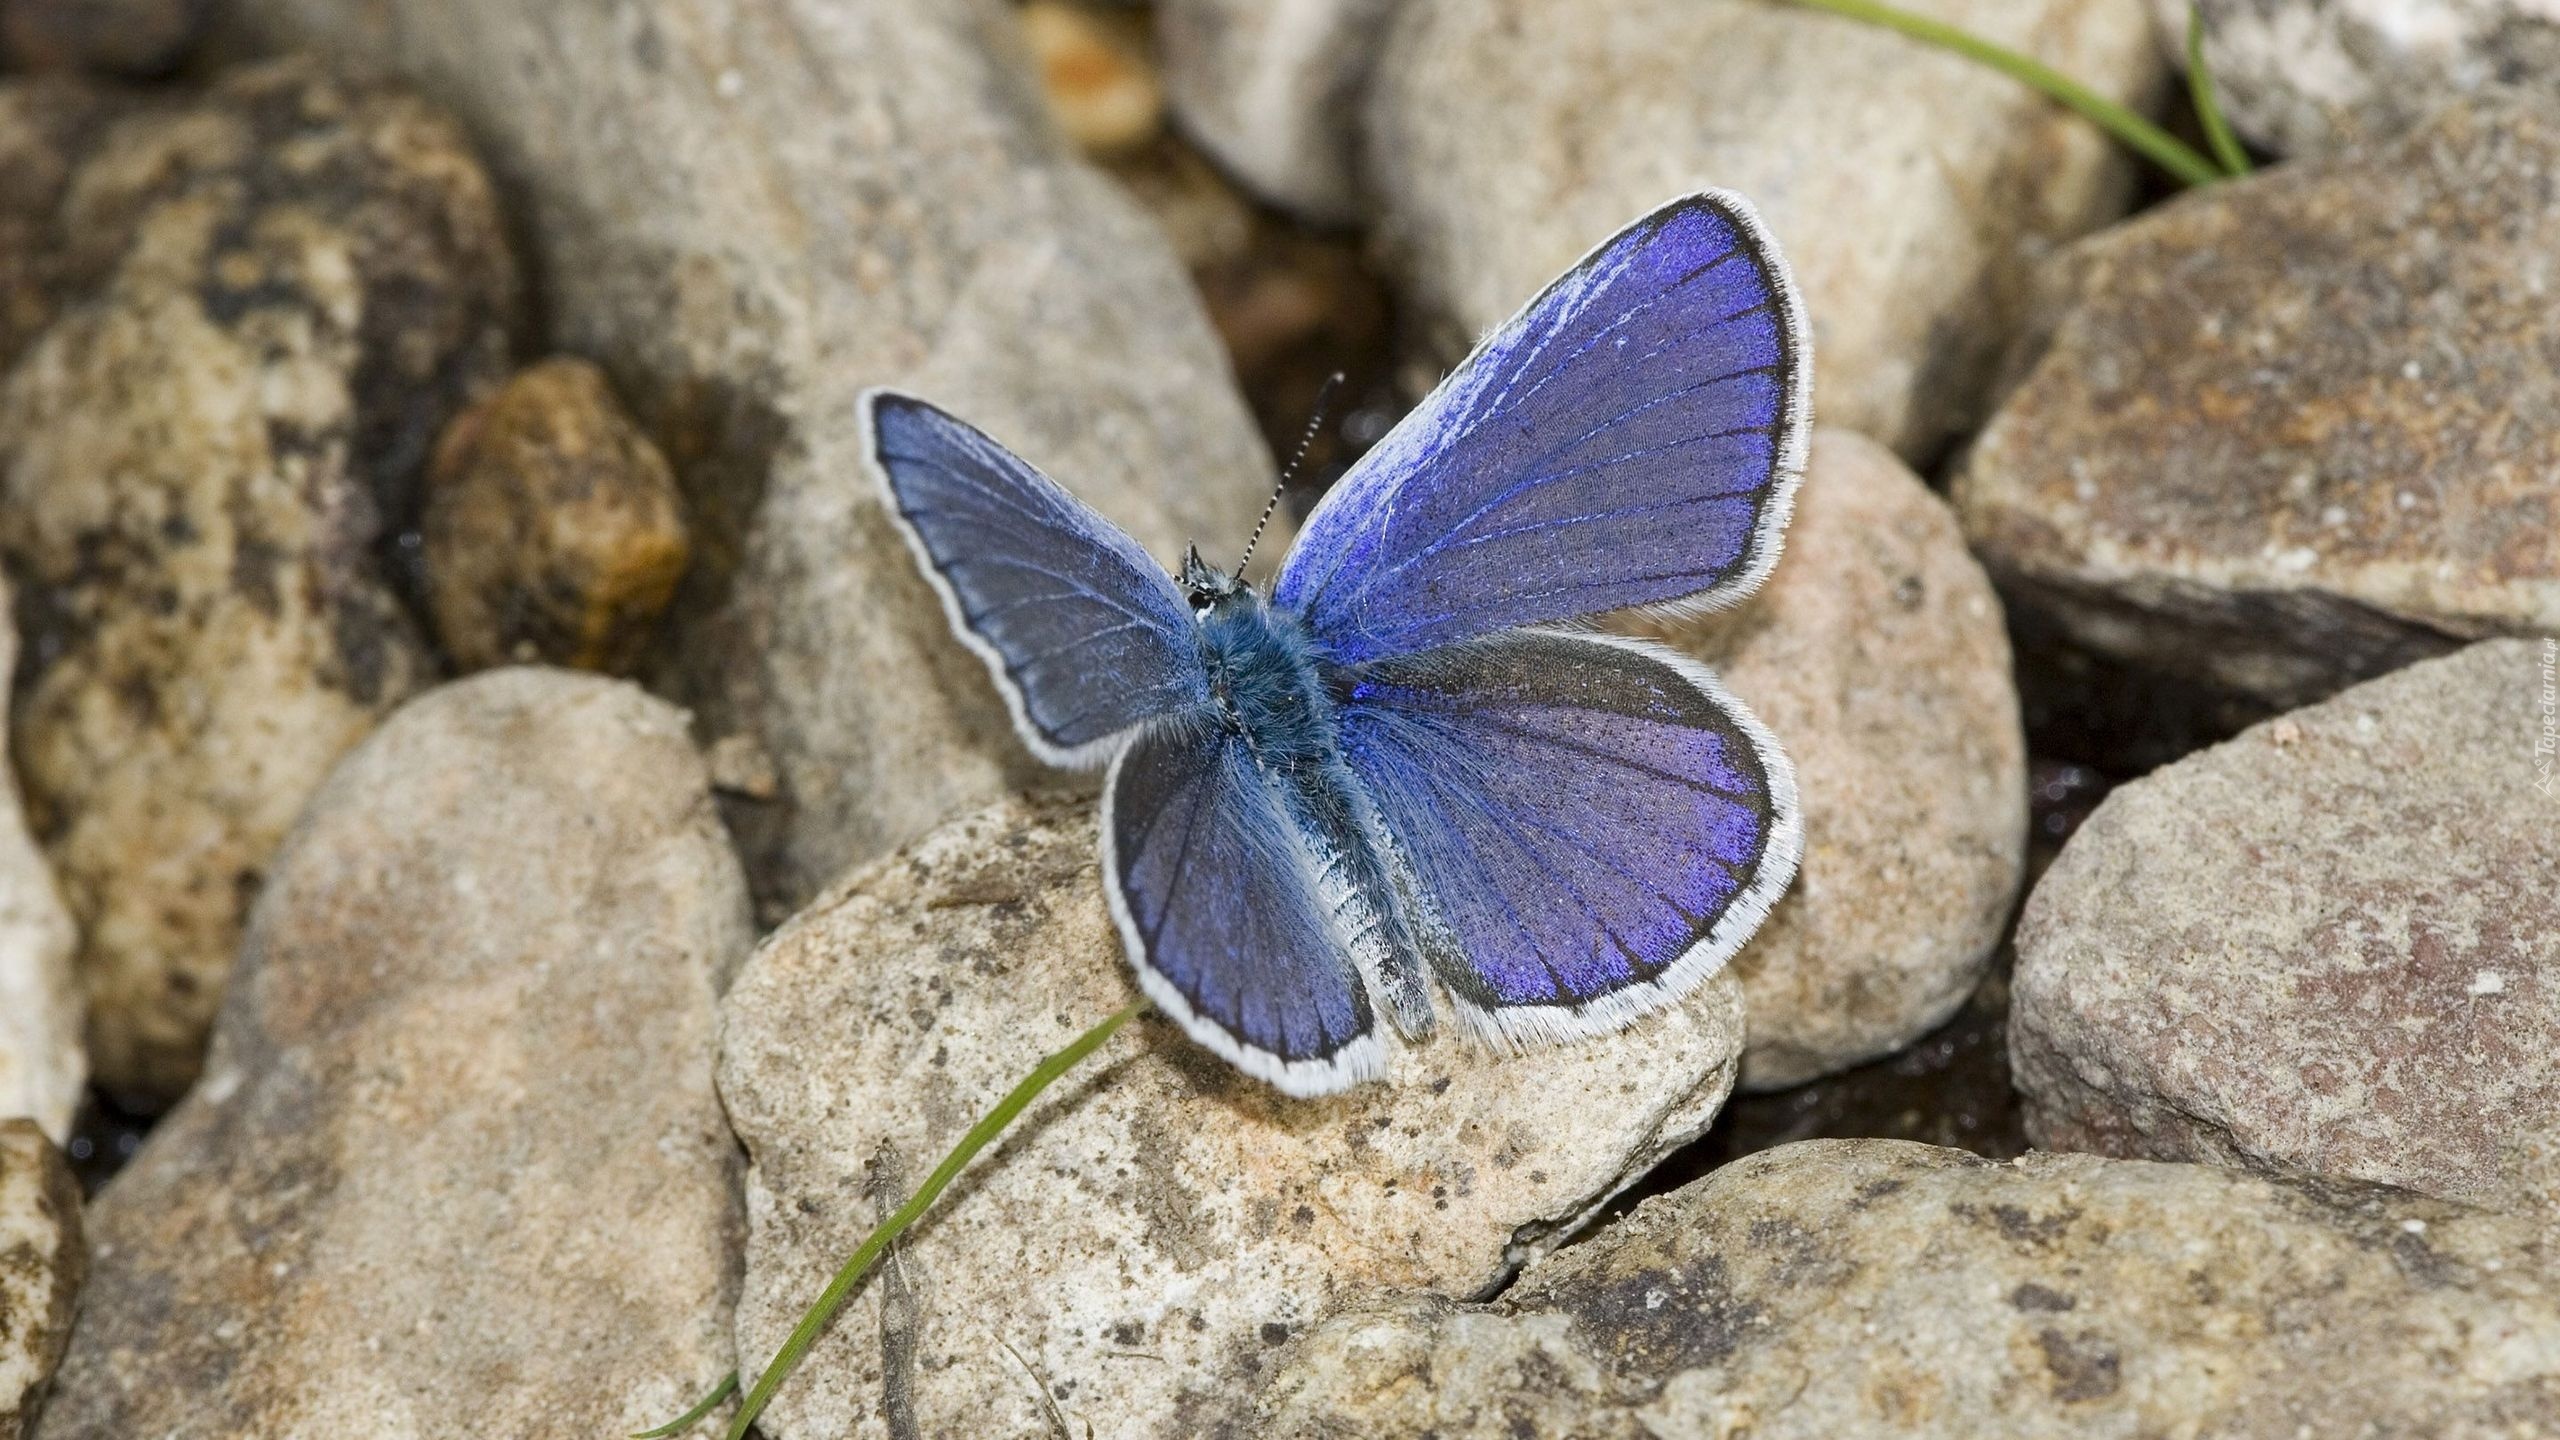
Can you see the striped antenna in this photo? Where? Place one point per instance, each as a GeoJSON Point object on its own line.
{"type": "Point", "coordinates": [1315, 422]}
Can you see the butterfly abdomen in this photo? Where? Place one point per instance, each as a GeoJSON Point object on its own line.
{"type": "Point", "coordinates": [1265, 680]}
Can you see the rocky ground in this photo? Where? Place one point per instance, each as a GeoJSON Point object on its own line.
{"type": "Point", "coordinates": [506, 877]}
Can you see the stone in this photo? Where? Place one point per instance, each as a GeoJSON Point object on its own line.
{"type": "Point", "coordinates": [134, 38]}
{"type": "Point", "coordinates": [43, 1065]}
{"type": "Point", "coordinates": [1913, 191]}
{"type": "Point", "coordinates": [2288, 433]}
{"type": "Point", "coordinates": [280, 289]}
{"type": "Point", "coordinates": [1095, 70]}
{"type": "Point", "coordinates": [746, 216]}
{"type": "Point", "coordinates": [2300, 77]}
{"type": "Point", "coordinates": [1877, 657]}
{"type": "Point", "coordinates": [42, 1261]}
{"type": "Point", "coordinates": [1273, 89]}
{"type": "Point", "coordinates": [1877, 1287]}
{"type": "Point", "coordinates": [2328, 947]}
{"type": "Point", "coordinates": [48, 127]}
{"type": "Point", "coordinates": [553, 530]}
{"type": "Point", "coordinates": [456, 1167]}
{"type": "Point", "coordinates": [1134, 1250]}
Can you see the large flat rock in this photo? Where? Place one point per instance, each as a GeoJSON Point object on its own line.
{"type": "Point", "coordinates": [1153, 1228]}
{"type": "Point", "coordinates": [1876, 1287]}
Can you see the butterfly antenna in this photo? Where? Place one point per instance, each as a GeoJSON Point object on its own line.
{"type": "Point", "coordinates": [1315, 422]}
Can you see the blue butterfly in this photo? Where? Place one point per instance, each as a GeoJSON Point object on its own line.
{"type": "Point", "coordinates": [1389, 774]}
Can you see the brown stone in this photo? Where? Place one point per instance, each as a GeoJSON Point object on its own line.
{"type": "Point", "coordinates": [1880, 1288]}
{"type": "Point", "coordinates": [113, 37]}
{"type": "Point", "coordinates": [2329, 947]}
{"type": "Point", "coordinates": [2288, 433]}
{"type": "Point", "coordinates": [553, 528]}
{"type": "Point", "coordinates": [279, 291]}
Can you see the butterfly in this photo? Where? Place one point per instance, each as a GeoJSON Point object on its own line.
{"type": "Point", "coordinates": [1411, 766]}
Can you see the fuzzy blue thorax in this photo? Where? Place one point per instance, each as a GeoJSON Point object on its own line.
{"type": "Point", "coordinates": [1268, 683]}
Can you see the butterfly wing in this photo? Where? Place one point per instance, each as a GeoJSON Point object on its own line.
{"type": "Point", "coordinates": [1218, 903]}
{"type": "Point", "coordinates": [1596, 823]}
{"type": "Point", "coordinates": [1630, 438]}
{"type": "Point", "coordinates": [1086, 635]}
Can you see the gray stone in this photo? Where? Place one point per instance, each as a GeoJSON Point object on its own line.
{"type": "Point", "coordinates": [1273, 89]}
{"type": "Point", "coordinates": [2291, 432]}
{"type": "Point", "coordinates": [1877, 657]}
{"type": "Point", "coordinates": [749, 212]}
{"type": "Point", "coordinates": [2328, 947]}
{"type": "Point", "coordinates": [456, 1167]}
{"type": "Point", "coordinates": [1912, 190]}
{"type": "Point", "coordinates": [2301, 77]}
{"type": "Point", "coordinates": [42, 1062]}
{"type": "Point", "coordinates": [42, 1261]}
{"type": "Point", "coordinates": [1130, 1255]}
{"type": "Point", "coordinates": [1876, 1287]}
{"type": "Point", "coordinates": [270, 297]}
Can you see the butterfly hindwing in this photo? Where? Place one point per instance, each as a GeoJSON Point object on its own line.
{"type": "Point", "coordinates": [1086, 634]}
{"type": "Point", "coordinates": [1595, 823]}
{"type": "Point", "coordinates": [1219, 907]}
{"type": "Point", "coordinates": [1632, 437]}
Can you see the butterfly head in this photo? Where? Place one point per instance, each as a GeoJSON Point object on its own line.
{"type": "Point", "coordinates": [1207, 586]}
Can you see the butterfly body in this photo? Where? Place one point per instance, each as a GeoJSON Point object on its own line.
{"type": "Point", "coordinates": [1404, 771]}
{"type": "Point", "coordinates": [1273, 691]}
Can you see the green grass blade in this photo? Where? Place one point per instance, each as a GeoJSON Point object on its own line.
{"type": "Point", "coordinates": [980, 1136]}
{"type": "Point", "coordinates": [686, 1421]}
{"type": "Point", "coordinates": [2163, 149]}
{"type": "Point", "coordinates": [2217, 131]}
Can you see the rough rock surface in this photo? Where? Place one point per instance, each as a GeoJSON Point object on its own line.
{"type": "Point", "coordinates": [42, 1062]}
{"type": "Point", "coordinates": [748, 213]}
{"type": "Point", "coordinates": [1912, 190]}
{"type": "Point", "coordinates": [1273, 89]}
{"type": "Point", "coordinates": [275, 294]}
{"type": "Point", "coordinates": [42, 1261]}
{"type": "Point", "coordinates": [2299, 77]}
{"type": "Point", "coordinates": [456, 1167]}
{"type": "Point", "coordinates": [2330, 946]}
{"type": "Point", "coordinates": [1156, 1225]}
{"type": "Point", "coordinates": [1877, 657]}
{"type": "Point", "coordinates": [2285, 434]}
{"type": "Point", "coordinates": [1876, 1287]}
{"type": "Point", "coordinates": [553, 529]}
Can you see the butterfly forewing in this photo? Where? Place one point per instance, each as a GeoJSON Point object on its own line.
{"type": "Point", "coordinates": [1085, 633]}
{"type": "Point", "coordinates": [1631, 438]}
{"type": "Point", "coordinates": [1597, 826]}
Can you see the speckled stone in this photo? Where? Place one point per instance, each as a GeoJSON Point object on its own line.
{"type": "Point", "coordinates": [553, 530]}
{"type": "Point", "coordinates": [1876, 1287]}
{"type": "Point", "coordinates": [1877, 657]}
{"type": "Point", "coordinates": [42, 1262]}
{"type": "Point", "coordinates": [456, 1168]}
{"type": "Point", "coordinates": [2328, 947]}
{"type": "Point", "coordinates": [2301, 77]}
{"type": "Point", "coordinates": [273, 293]}
{"type": "Point", "coordinates": [1157, 1225]}
{"type": "Point", "coordinates": [2288, 433]}
{"type": "Point", "coordinates": [1505, 138]}
{"type": "Point", "coordinates": [748, 212]}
